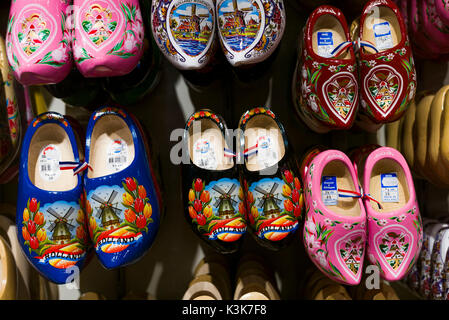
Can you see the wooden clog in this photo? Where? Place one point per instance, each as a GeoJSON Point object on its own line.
{"type": "Point", "coordinates": [444, 142]}
{"type": "Point", "coordinates": [407, 141]}
{"type": "Point", "coordinates": [8, 273]}
{"type": "Point", "coordinates": [393, 133]}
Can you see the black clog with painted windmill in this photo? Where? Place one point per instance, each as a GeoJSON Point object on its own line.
{"type": "Point", "coordinates": [212, 196]}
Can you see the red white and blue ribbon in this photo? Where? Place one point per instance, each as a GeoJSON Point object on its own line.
{"type": "Point", "coordinates": [363, 43]}
{"type": "Point", "coordinates": [342, 47]}
{"type": "Point", "coordinates": [77, 167]}
{"type": "Point", "coordinates": [353, 194]}
{"type": "Point", "coordinates": [229, 153]}
{"type": "Point", "coordinates": [250, 151]}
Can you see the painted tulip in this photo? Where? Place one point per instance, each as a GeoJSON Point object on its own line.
{"type": "Point", "coordinates": [250, 197]}
{"type": "Point", "coordinates": [288, 205]}
{"type": "Point", "coordinates": [286, 191]}
{"type": "Point", "coordinates": [191, 195]}
{"type": "Point", "coordinates": [207, 211]}
{"type": "Point", "coordinates": [297, 211]}
{"type": "Point", "coordinates": [130, 184]}
{"type": "Point", "coordinates": [141, 222]}
{"type": "Point", "coordinates": [197, 205]}
{"type": "Point", "coordinates": [88, 207]}
{"type": "Point", "coordinates": [92, 223]}
{"type": "Point", "coordinates": [297, 183]}
{"type": "Point", "coordinates": [205, 196]}
{"type": "Point", "coordinates": [26, 214]}
{"type": "Point", "coordinates": [201, 219]}
{"type": "Point", "coordinates": [301, 200]}
{"type": "Point", "coordinates": [80, 217]}
{"type": "Point", "coordinates": [198, 185]}
{"type": "Point", "coordinates": [242, 208]}
{"type": "Point", "coordinates": [33, 205]}
{"type": "Point", "coordinates": [41, 235]}
{"type": "Point", "coordinates": [34, 243]}
{"type": "Point", "coordinates": [80, 234]}
{"type": "Point", "coordinates": [192, 213]}
{"type": "Point", "coordinates": [241, 193]}
{"type": "Point", "coordinates": [142, 192]}
{"type": "Point", "coordinates": [130, 216]}
{"type": "Point", "coordinates": [25, 234]}
{"type": "Point", "coordinates": [128, 199]}
{"type": "Point", "coordinates": [39, 218]}
{"type": "Point", "coordinates": [254, 212]}
{"type": "Point", "coordinates": [295, 196]}
{"type": "Point", "coordinates": [288, 176]}
{"type": "Point", "coordinates": [31, 227]}
{"type": "Point", "coordinates": [138, 205]}
{"type": "Point", "coordinates": [147, 211]}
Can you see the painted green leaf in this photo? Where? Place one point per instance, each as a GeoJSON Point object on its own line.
{"type": "Point", "coordinates": [112, 25]}
{"type": "Point", "coordinates": [87, 25]}
{"type": "Point", "coordinates": [44, 34]}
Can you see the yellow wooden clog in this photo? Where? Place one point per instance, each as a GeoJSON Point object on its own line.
{"type": "Point", "coordinates": [8, 272]}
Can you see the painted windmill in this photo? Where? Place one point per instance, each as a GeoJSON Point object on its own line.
{"type": "Point", "coordinates": [269, 202]}
{"type": "Point", "coordinates": [396, 251]}
{"type": "Point", "coordinates": [340, 97]}
{"type": "Point", "coordinates": [32, 38]}
{"type": "Point", "coordinates": [107, 211]}
{"type": "Point", "coordinates": [61, 226]}
{"type": "Point", "coordinates": [192, 22]}
{"type": "Point", "coordinates": [236, 18]}
{"type": "Point", "coordinates": [224, 202]}
{"type": "Point", "coordinates": [385, 91]}
{"type": "Point", "coordinates": [99, 28]}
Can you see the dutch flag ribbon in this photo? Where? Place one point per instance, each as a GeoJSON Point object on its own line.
{"type": "Point", "coordinates": [229, 153]}
{"type": "Point", "coordinates": [250, 151]}
{"type": "Point", "coordinates": [353, 194]}
{"type": "Point", "coordinates": [77, 167]}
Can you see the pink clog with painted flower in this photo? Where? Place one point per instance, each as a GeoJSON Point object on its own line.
{"type": "Point", "coordinates": [393, 218]}
{"type": "Point", "coordinates": [335, 230]}
{"type": "Point", "coordinates": [38, 41]}
{"type": "Point", "coordinates": [108, 37]}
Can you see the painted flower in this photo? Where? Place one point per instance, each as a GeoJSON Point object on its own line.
{"type": "Point", "coordinates": [372, 63]}
{"type": "Point", "coordinates": [402, 217]}
{"type": "Point", "coordinates": [208, 211]}
{"type": "Point", "coordinates": [142, 192]}
{"type": "Point", "coordinates": [295, 196]}
{"type": "Point", "coordinates": [201, 219]}
{"type": "Point", "coordinates": [130, 184]}
{"type": "Point", "coordinates": [288, 176]}
{"type": "Point", "coordinates": [347, 226]}
{"type": "Point", "coordinates": [350, 68]}
{"type": "Point", "coordinates": [315, 64]}
{"type": "Point", "coordinates": [60, 54]}
{"type": "Point", "coordinates": [314, 204]}
{"type": "Point", "coordinates": [241, 197]}
{"type": "Point", "coordinates": [138, 205]}
{"type": "Point", "coordinates": [310, 225]}
{"type": "Point", "coordinates": [322, 258]}
{"type": "Point", "coordinates": [297, 211]}
{"type": "Point", "coordinates": [288, 205]}
{"type": "Point", "coordinates": [147, 211]}
{"type": "Point", "coordinates": [41, 235]}
{"type": "Point", "coordinates": [92, 223]}
{"type": "Point", "coordinates": [198, 185]}
{"type": "Point", "coordinates": [297, 183]}
{"type": "Point", "coordinates": [77, 53]}
{"type": "Point", "coordinates": [286, 191]}
{"type": "Point", "coordinates": [328, 221]}
{"type": "Point", "coordinates": [403, 51]}
{"type": "Point", "coordinates": [390, 56]}
{"type": "Point", "coordinates": [130, 216]}
{"type": "Point", "coordinates": [250, 197]}
{"type": "Point", "coordinates": [34, 243]}
{"type": "Point", "coordinates": [197, 205]}
{"type": "Point", "coordinates": [141, 222]}
{"type": "Point", "coordinates": [33, 205]}
{"type": "Point", "coordinates": [254, 212]}
{"type": "Point", "coordinates": [128, 199]}
{"type": "Point", "coordinates": [382, 222]}
{"type": "Point", "coordinates": [31, 226]}
{"type": "Point", "coordinates": [26, 214]}
{"type": "Point", "coordinates": [304, 72]}
{"type": "Point", "coordinates": [205, 196]}
{"type": "Point", "coordinates": [191, 195]}
{"type": "Point", "coordinates": [310, 185]}
{"type": "Point", "coordinates": [313, 242]}
{"type": "Point", "coordinates": [80, 216]}
{"type": "Point", "coordinates": [130, 43]}
{"type": "Point", "coordinates": [39, 218]}
{"type": "Point", "coordinates": [362, 225]}
{"type": "Point", "coordinates": [192, 213]}
{"type": "Point", "coordinates": [25, 234]}
{"type": "Point", "coordinates": [80, 234]}
{"type": "Point", "coordinates": [332, 68]}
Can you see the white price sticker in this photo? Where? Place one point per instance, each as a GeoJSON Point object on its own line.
{"type": "Point", "coordinates": [389, 186]}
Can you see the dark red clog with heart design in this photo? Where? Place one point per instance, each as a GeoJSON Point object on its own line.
{"type": "Point", "coordinates": [387, 68]}
{"type": "Point", "coordinates": [325, 89]}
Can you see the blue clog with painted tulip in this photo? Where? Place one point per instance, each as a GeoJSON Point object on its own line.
{"type": "Point", "coordinates": [123, 201]}
{"type": "Point", "coordinates": [51, 224]}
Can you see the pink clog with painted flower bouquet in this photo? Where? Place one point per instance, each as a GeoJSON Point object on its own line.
{"type": "Point", "coordinates": [335, 230]}
{"type": "Point", "coordinates": [394, 222]}
{"type": "Point", "coordinates": [38, 41]}
{"type": "Point", "coordinates": [108, 37]}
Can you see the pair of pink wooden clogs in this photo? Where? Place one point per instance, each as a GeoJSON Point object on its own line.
{"type": "Point", "coordinates": [106, 38]}
{"type": "Point", "coordinates": [345, 221]}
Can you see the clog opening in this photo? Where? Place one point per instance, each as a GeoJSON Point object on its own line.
{"type": "Point", "coordinates": [112, 147]}
{"type": "Point", "coordinates": [327, 34]}
{"type": "Point", "coordinates": [345, 206]}
{"type": "Point", "coordinates": [381, 28]}
{"type": "Point", "coordinates": [388, 185]}
{"type": "Point", "coordinates": [207, 146]}
{"type": "Point", "coordinates": [263, 134]}
{"type": "Point", "coordinates": [49, 145]}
